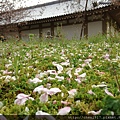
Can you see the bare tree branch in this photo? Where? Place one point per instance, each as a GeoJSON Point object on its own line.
{"type": "Point", "coordinates": [84, 19]}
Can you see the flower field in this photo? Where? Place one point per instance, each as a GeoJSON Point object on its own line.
{"type": "Point", "coordinates": [60, 78]}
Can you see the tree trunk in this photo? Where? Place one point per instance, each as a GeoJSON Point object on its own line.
{"type": "Point", "coordinates": [84, 19]}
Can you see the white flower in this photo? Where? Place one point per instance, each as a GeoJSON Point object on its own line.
{"type": "Point", "coordinates": [50, 78]}
{"type": "Point", "coordinates": [52, 72]}
{"type": "Point", "coordinates": [95, 112]}
{"type": "Point", "coordinates": [53, 91]}
{"type": "Point", "coordinates": [78, 80]}
{"type": "Point", "coordinates": [36, 76]}
{"type": "Point", "coordinates": [108, 93]}
{"type": "Point", "coordinates": [62, 52]}
{"type": "Point", "coordinates": [22, 98]}
{"type": "Point", "coordinates": [112, 113]}
{"type": "Point", "coordinates": [65, 102]}
{"type": "Point", "coordinates": [83, 65]}
{"type": "Point", "coordinates": [91, 92]}
{"type": "Point", "coordinates": [64, 111]}
{"type": "Point", "coordinates": [65, 63]}
{"type": "Point", "coordinates": [6, 72]}
{"type": "Point", "coordinates": [60, 78]}
{"type": "Point", "coordinates": [106, 57]}
{"type": "Point", "coordinates": [28, 54]}
{"type": "Point", "coordinates": [88, 60]}
{"type": "Point", "coordinates": [69, 73]}
{"type": "Point", "coordinates": [100, 73]}
{"type": "Point", "coordinates": [26, 109]}
{"type": "Point", "coordinates": [72, 92]}
{"type": "Point", "coordinates": [101, 85]}
{"type": "Point", "coordinates": [8, 78]}
{"type": "Point", "coordinates": [1, 104]}
{"type": "Point", "coordinates": [76, 74]}
{"type": "Point", "coordinates": [54, 102]}
{"type": "Point", "coordinates": [10, 61]}
{"type": "Point", "coordinates": [22, 95]}
{"type": "Point", "coordinates": [48, 85]}
{"type": "Point", "coordinates": [36, 61]}
{"type": "Point", "coordinates": [89, 65]}
{"type": "Point", "coordinates": [41, 75]}
{"type": "Point", "coordinates": [99, 49]}
{"type": "Point", "coordinates": [13, 78]}
{"type": "Point", "coordinates": [78, 70]}
{"type": "Point", "coordinates": [35, 80]}
{"type": "Point", "coordinates": [2, 77]}
{"type": "Point", "coordinates": [77, 102]}
{"type": "Point", "coordinates": [29, 67]}
{"type": "Point", "coordinates": [71, 54]}
{"type": "Point", "coordinates": [7, 65]}
{"type": "Point", "coordinates": [38, 89]}
{"type": "Point", "coordinates": [31, 98]}
{"type": "Point", "coordinates": [82, 75]}
{"type": "Point", "coordinates": [44, 98]}
{"type": "Point", "coordinates": [62, 94]}
{"type": "Point", "coordinates": [59, 67]}
{"type": "Point", "coordinates": [41, 114]}
{"type": "Point", "coordinates": [20, 101]}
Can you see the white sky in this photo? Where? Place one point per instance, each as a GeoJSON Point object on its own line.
{"type": "Point", "coordinates": [35, 2]}
{"type": "Point", "coordinates": [27, 3]}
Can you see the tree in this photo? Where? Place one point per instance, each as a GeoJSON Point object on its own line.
{"type": "Point", "coordinates": [10, 14]}
{"type": "Point", "coordinates": [84, 19]}
{"type": "Point", "coordinates": [13, 14]}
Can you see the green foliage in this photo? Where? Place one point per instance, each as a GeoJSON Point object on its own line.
{"type": "Point", "coordinates": [31, 36]}
{"type": "Point", "coordinates": [111, 105]}
{"type": "Point", "coordinates": [26, 60]}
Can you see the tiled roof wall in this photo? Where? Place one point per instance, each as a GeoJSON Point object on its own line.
{"type": "Point", "coordinates": [58, 9]}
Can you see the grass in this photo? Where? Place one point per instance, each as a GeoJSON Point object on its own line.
{"type": "Point", "coordinates": [22, 61]}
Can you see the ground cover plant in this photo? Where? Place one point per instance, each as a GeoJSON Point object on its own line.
{"type": "Point", "coordinates": [60, 77]}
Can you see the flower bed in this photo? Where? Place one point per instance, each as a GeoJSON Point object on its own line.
{"type": "Point", "coordinates": [60, 78]}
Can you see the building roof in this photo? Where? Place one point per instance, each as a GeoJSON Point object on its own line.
{"type": "Point", "coordinates": [57, 8]}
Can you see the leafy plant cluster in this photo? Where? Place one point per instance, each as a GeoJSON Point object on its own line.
{"type": "Point", "coordinates": [20, 62]}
